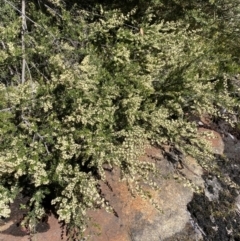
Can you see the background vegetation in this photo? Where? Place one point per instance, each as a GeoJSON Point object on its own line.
{"type": "Point", "coordinates": [84, 86]}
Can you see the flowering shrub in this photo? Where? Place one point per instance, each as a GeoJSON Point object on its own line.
{"type": "Point", "coordinates": [97, 88]}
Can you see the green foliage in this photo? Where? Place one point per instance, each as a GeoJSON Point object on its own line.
{"type": "Point", "coordinates": [101, 82]}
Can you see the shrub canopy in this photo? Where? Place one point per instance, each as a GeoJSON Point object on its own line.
{"type": "Point", "coordinates": [102, 79]}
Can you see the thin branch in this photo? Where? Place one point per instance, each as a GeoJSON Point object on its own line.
{"type": "Point", "coordinates": [24, 29]}
{"type": "Point", "coordinates": [53, 10]}
{"type": "Point", "coordinates": [46, 147]}
{"type": "Point", "coordinates": [36, 68]}
{"type": "Point", "coordinates": [14, 7]}
{"type": "Point", "coordinates": [6, 109]}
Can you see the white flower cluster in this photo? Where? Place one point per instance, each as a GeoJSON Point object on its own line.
{"type": "Point", "coordinates": [67, 146]}
{"type": "Point", "coordinates": [5, 199]}
{"type": "Point", "coordinates": [79, 195]}
{"type": "Point", "coordinates": [39, 173]}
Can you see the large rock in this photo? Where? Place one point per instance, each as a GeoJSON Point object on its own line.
{"type": "Point", "coordinates": [135, 218]}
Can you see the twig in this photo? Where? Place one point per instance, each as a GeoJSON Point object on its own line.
{"type": "Point", "coordinates": [5, 110]}
{"type": "Point", "coordinates": [24, 28]}
{"type": "Point", "coordinates": [34, 66]}
{"type": "Point", "coordinates": [53, 10]}
{"type": "Point", "coordinates": [12, 5]}
{"type": "Point", "coordinates": [196, 226]}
